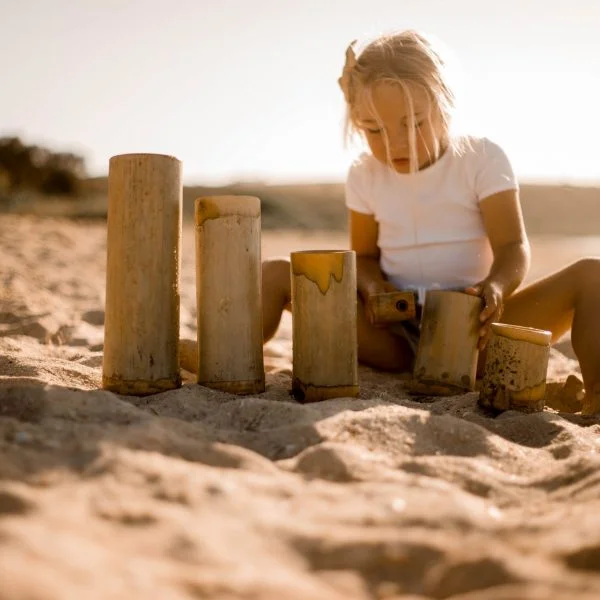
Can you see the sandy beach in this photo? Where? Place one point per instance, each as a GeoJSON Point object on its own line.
{"type": "Point", "coordinates": [195, 493]}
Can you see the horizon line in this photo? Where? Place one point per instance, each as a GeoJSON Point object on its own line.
{"type": "Point", "coordinates": [308, 181]}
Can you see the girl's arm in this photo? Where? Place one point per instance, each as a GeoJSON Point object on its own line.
{"type": "Point", "coordinates": [363, 240]}
{"type": "Point", "coordinates": [503, 221]}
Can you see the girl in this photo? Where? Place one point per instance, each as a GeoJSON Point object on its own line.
{"type": "Point", "coordinates": [432, 209]}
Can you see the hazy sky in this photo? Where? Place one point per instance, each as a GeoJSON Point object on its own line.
{"type": "Point", "coordinates": [247, 88]}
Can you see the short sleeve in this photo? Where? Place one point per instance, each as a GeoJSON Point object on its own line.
{"type": "Point", "coordinates": [494, 172]}
{"type": "Point", "coordinates": [358, 196]}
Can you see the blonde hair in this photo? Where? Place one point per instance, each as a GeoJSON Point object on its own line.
{"type": "Point", "coordinates": [409, 59]}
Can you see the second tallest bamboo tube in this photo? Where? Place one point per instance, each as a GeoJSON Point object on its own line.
{"type": "Point", "coordinates": [229, 296]}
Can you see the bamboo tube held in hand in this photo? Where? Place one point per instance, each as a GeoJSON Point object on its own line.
{"type": "Point", "coordinates": [141, 353]}
{"type": "Point", "coordinates": [391, 307]}
{"type": "Point", "coordinates": [515, 371]}
{"type": "Point", "coordinates": [324, 312]}
{"type": "Point", "coordinates": [446, 360]}
{"type": "Point", "coordinates": [229, 295]}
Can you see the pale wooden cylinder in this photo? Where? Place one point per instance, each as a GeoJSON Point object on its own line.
{"type": "Point", "coordinates": [141, 331]}
{"type": "Point", "coordinates": [324, 311]}
{"type": "Point", "coordinates": [446, 360]}
{"type": "Point", "coordinates": [229, 294]}
{"type": "Point", "coordinates": [515, 371]}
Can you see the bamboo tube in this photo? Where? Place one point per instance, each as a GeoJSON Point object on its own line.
{"type": "Point", "coordinates": [324, 311]}
{"type": "Point", "coordinates": [516, 364]}
{"type": "Point", "coordinates": [229, 296]}
{"type": "Point", "coordinates": [391, 307]}
{"type": "Point", "coordinates": [446, 360]}
{"type": "Point", "coordinates": [141, 354]}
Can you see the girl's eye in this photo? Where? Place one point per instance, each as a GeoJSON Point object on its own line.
{"type": "Point", "coordinates": [374, 131]}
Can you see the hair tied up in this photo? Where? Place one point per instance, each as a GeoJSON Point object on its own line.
{"type": "Point", "coordinates": [345, 81]}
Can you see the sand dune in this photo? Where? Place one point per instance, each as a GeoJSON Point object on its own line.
{"type": "Point", "coordinates": [548, 209]}
{"type": "Point", "coordinates": [199, 494]}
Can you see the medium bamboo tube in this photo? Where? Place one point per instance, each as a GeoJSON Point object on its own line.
{"type": "Point", "coordinates": [516, 364]}
{"type": "Point", "coordinates": [324, 307]}
{"type": "Point", "coordinates": [446, 360]}
{"type": "Point", "coordinates": [229, 296]}
{"type": "Point", "coordinates": [141, 354]}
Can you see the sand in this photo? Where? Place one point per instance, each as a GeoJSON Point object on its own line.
{"type": "Point", "coordinates": [199, 494]}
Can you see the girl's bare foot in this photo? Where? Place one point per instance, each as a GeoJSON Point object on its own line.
{"type": "Point", "coordinates": [565, 396]}
{"type": "Point", "coordinates": [591, 402]}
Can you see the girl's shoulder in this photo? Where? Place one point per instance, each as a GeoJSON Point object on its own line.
{"type": "Point", "coordinates": [485, 164]}
{"type": "Point", "coordinates": [476, 149]}
{"type": "Point", "coordinates": [363, 169]}
{"type": "Point", "coordinates": [363, 163]}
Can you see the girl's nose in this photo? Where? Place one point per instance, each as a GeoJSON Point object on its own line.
{"type": "Point", "coordinates": [398, 143]}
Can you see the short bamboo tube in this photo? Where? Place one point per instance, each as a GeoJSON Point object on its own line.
{"type": "Point", "coordinates": [515, 371]}
{"type": "Point", "coordinates": [446, 360]}
{"type": "Point", "coordinates": [392, 307]}
{"type": "Point", "coordinates": [141, 354]}
{"type": "Point", "coordinates": [229, 295]}
{"type": "Point", "coordinates": [324, 311]}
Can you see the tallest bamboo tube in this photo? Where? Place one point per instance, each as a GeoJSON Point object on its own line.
{"type": "Point", "coordinates": [141, 353]}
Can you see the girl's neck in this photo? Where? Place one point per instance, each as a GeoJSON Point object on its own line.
{"type": "Point", "coordinates": [443, 148]}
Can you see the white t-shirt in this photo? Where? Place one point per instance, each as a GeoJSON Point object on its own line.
{"type": "Point", "coordinates": [431, 232]}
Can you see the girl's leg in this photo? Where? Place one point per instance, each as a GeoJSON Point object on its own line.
{"type": "Point", "coordinates": [377, 348]}
{"type": "Point", "coordinates": [567, 299]}
{"type": "Point", "coordinates": [380, 348]}
{"type": "Point", "coordinates": [276, 294]}
{"type": "Point", "coordinates": [275, 298]}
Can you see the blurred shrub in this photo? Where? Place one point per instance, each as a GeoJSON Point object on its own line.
{"type": "Point", "coordinates": [37, 169]}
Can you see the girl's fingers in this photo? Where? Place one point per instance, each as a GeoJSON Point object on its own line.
{"type": "Point", "coordinates": [370, 314]}
{"type": "Point", "coordinates": [489, 311]}
{"type": "Point", "coordinates": [483, 342]}
{"type": "Point", "coordinates": [474, 290]}
{"type": "Point", "coordinates": [484, 334]}
{"type": "Point", "coordinates": [485, 331]}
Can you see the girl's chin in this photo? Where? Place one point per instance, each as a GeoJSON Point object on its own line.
{"type": "Point", "coordinates": [401, 165]}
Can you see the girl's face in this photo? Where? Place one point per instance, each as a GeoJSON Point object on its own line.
{"type": "Point", "coordinates": [385, 118]}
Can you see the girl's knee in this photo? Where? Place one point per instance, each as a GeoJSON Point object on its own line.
{"type": "Point", "coordinates": [586, 272]}
{"type": "Point", "coordinates": [379, 348]}
{"type": "Point", "coordinates": [276, 268]}
{"type": "Point", "coordinates": [276, 275]}
{"type": "Point", "coordinates": [588, 267]}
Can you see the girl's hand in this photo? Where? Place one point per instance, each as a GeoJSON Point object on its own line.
{"type": "Point", "coordinates": [492, 308]}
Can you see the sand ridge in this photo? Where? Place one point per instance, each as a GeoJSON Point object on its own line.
{"type": "Point", "coordinates": [195, 493]}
